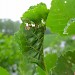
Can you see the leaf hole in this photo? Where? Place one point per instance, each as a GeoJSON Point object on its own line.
{"type": "Point", "coordinates": [65, 2]}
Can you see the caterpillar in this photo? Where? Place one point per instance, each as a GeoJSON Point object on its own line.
{"type": "Point", "coordinates": [29, 38]}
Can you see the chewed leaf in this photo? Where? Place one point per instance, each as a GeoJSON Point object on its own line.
{"type": "Point", "coordinates": [35, 13]}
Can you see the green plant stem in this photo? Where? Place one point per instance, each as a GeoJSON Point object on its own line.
{"type": "Point", "coordinates": [46, 72]}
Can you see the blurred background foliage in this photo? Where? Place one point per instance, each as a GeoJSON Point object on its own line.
{"type": "Point", "coordinates": [8, 26]}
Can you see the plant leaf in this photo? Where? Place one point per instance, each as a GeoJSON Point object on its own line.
{"type": "Point", "coordinates": [3, 71]}
{"type": "Point", "coordinates": [50, 61]}
{"type": "Point", "coordinates": [65, 64]}
{"type": "Point", "coordinates": [61, 18]}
